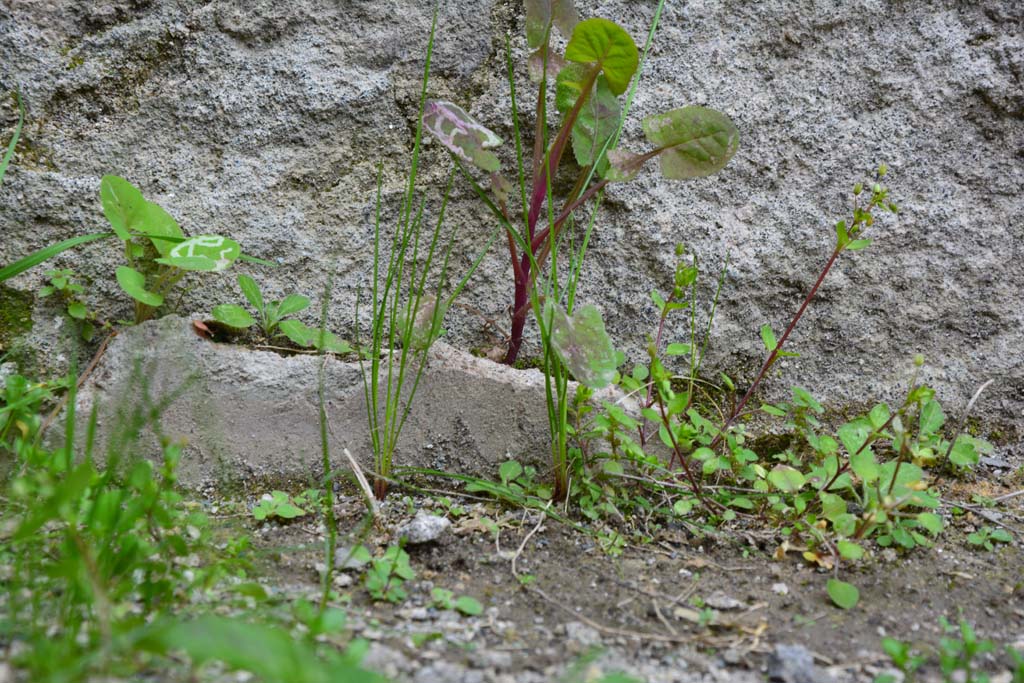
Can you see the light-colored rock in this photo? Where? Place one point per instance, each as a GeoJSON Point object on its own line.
{"type": "Point", "coordinates": [423, 528]}
{"type": "Point", "coordinates": [267, 120]}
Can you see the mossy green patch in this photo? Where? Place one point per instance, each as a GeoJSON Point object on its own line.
{"type": "Point", "coordinates": [15, 316]}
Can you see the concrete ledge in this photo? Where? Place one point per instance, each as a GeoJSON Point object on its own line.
{"type": "Point", "coordinates": [253, 414]}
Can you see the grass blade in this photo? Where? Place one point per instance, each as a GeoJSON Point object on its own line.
{"type": "Point", "coordinates": [37, 257]}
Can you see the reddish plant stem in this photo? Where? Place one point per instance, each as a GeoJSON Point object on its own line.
{"type": "Point", "coordinates": [677, 453]}
{"type": "Point", "coordinates": [778, 347]}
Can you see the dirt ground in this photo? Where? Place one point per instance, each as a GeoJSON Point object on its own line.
{"type": "Point", "coordinates": [681, 607]}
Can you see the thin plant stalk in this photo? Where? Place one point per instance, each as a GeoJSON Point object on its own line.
{"type": "Point", "coordinates": [331, 542]}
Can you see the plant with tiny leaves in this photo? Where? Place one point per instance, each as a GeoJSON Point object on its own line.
{"type": "Point", "coordinates": [986, 537]}
{"type": "Point", "coordinates": [386, 575]}
{"type": "Point", "coordinates": [64, 283]}
{"type": "Point", "coordinates": [273, 320]}
{"type": "Point", "coordinates": [445, 599]}
{"type": "Point", "coordinates": [277, 504]}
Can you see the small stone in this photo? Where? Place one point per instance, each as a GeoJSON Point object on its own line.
{"type": "Point", "coordinates": [794, 664]}
{"type": "Point", "coordinates": [780, 589]}
{"type": "Point", "coordinates": [423, 528]}
{"type": "Point", "coordinates": [581, 633]}
{"type": "Point", "coordinates": [721, 601]}
{"type": "Point", "coordinates": [342, 580]}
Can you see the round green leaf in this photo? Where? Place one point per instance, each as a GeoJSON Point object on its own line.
{"type": "Point", "coordinates": [696, 141]}
{"type": "Point", "coordinates": [233, 316]}
{"type": "Point", "coordinates": [844, 595]}
{"type": "Point", "coordinates": [77, 310]}
{"type": "Point", "coordinates": [849, 550]}
{"type": "Point", "coordinates": [609, 46]}
{"type": "Point", "coordinates": [134, 284]}
{"type": "Point", "coordinates": [509, 471]}
{"type": "Point", "coordinates": [786, 478]}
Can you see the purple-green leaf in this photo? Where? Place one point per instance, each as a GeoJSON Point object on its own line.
{"type": "Point", "coordinates": [461, 134]}
{"type": "Point", "coordinates": [696, 141]}
{"type": "Point", "coordinates": [535, 64]}
{"type": "Point", "coordinates": [604, 43]}
{"type": "Point", "coordinates": [541, 13]}
{"type": "Point", "coordinates": [582, 344]}
{"type": "Point", "coordinates": [622, 165]}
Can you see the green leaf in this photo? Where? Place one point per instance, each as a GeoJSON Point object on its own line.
{"type": "Point", "coordinates": [37, 257]}
{"type": "Point", "coordinates": [233, 316]}
{"type": "Point", "coordinates": [461, 134]}
{"type": "Point", "coordinates": [298, 332]}
{"type": "Point", "coordinates": [332, 343]}
{"type": "Point", "coordinates": [582, 344]}
{"type": "Point", "coordinates": [864, 466]}
{"type": "Point", "coordinates": [964, 453]}
{"type": "Point", "coordinates": [878, 416]}
{"type": "Point", "coordinates": [293, 303]}
{"type": "Point", "coordinates": [932, 417]}
{"type": "Point", "coordinates": [844, 595]}
{"type": "Point", "coordinates": [697, 141]}
{"type": "Point", "coordinates": [289, 511]}
{"type": "Point", "coordinates": [252, 292]}
{"type": "Point", "coordinates": [122, 205]}
{"type": "Point", "coordinates": [471, 607]}
{"type": "Point", "coordinates": [134, 284]}
{"type": "Point", "coordinates": [803, 397]}
{"type": "Point", "coordinates": [509, 471]}
{"type": "Point", "coordinates": [853, 435]}
{"type": "Point", "coordinates": [541, 13]}
{"type": "Point", "coordinates": [768, 337]}
{"type": "Point", "coordinates": [676, 349]}
{"type": "Point", "coordinates": [598, 119]}
{"type": "Point", "coordinates": [602, 42]}
{"type": "Point", "coordinates": [623, 165]}
{"type": "Point", "coordinates": [156, 223]}
{"type": "Point", "coordinates": [77, 310]}
{"type": "Point", "coordinates": [203, 252]}
{"type": "Point", "coordinates": [857, 245]}
{"type": "Point", "coordinates": [786, 478]}
{"type": "Point", "coordinates": [849, 550]}
{"type": "Point", "coordinates": [930, 521]}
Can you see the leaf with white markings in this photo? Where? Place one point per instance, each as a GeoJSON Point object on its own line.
{"type": "Point", "coordinates": [461, 134]}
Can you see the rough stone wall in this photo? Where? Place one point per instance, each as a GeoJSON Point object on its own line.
{"type": "Point", "coordinates": [267, 120]}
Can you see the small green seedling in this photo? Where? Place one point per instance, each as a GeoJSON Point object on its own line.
{"type": "Point", "coordinates": [986, 537]}
{"type": "Point", "coordinates": [64, 283]}
{"type": "Point", "coordinates": [445, 599]}
{"type": "Point", "coordinates": [273, 319]}
{"type": "Point", "coordinates": [277, 504]}
{"type": "Point", "coordinates": [386, 575]}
